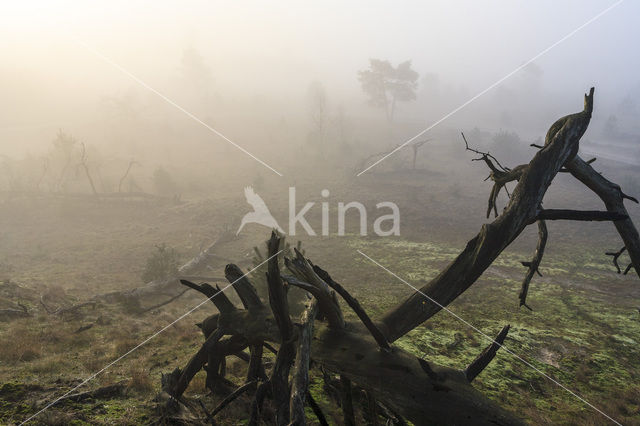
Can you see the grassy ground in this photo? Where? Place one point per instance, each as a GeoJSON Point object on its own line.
{"type": "Point", "coordinates": [583, 331]}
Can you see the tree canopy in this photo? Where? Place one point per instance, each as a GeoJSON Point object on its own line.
{"type": "Point", "coordinates": [385, 84]}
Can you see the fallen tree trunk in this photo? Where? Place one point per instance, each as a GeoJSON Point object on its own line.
{"type": "Point", "coordinates": [481, 251]}
{"type": "Point", "coordinates": [169, 287]}
{"type": "Point", "coordinates": [362, 355]}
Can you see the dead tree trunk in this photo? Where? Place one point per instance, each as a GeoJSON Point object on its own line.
{"type": "Point", "coordinates": [523, 208]}
{"type": "Point", "coordinates": [362, 354]}
{"type": "Point", "coordinates": [169, 287]}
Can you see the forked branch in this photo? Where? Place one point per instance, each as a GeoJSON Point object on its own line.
{"type": "Point", "coordinates": [561, 147]}
{"type": "Point", "coordinates": [535, 262]}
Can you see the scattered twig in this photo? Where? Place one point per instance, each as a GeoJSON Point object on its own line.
{"type": "Point", "coordinates": [83, 328]}
{"type": "Point", "coordinates": [159, 305]}
{"type": "Point", "coordinates": [616, 255]}
{"type": "Point", "coordinates": [104, 392]}
{"type": "Point", "coordinates": [230, 398]}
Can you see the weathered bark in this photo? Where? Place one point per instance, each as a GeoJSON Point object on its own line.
{"type": "Point", "coordinates": [255, 370]}
{"type": "Point", "coordinates": [398, 383]}
{"type": "Point", "coordinates": [215, 294]}
{"type": "Point", "coordinates": [300, 380]}
{"type": "Point", "coordinates": [481, 251]}
{"type": "Point", "coordinates": [613, 197]}
{"type": "Point", "coordinates": [196, 363]}
{"type": "Point", "coordinates": [486, 356]}
{"type": "Point", "coordinates": [579, 215]}
{"type": "Point", "coordinates": [346, 401]}
{"type": "Point", "coordinates": [400, 380]}
{"type": "Point", "coordinates": [232, 397]}
{"type": "Point", "coordinates": [315, 285]}
{"type": "Point", "coordinates": [535, 262]}
{"type": "Point", "coordinates": [317, 410]}
{"type": "Point", "coordinates": [355, 305]}
{"type": "Point", "coordinates": [278, 301]}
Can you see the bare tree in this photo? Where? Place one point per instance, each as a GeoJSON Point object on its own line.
{"type": "Point", "coordinates": [415, 146]}
{"type": "Point", "coordinates": [397, 384]}
{"type": "Point", "coordinates": [126, 173]}
{"type": "Point", "coordinates": [63, 145]}
{"type": "Point", "coordinates": [85, 167]}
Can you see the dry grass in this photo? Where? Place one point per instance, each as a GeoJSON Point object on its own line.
{"type": "Point", "coordinates": [198, 384]}
{"type": "Point", "coordinates": [140, 380]}
{"type": "Point", "coordinates": [20, 344]}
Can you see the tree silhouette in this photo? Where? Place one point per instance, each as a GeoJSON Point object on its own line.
{"type": "Point", "coordinates": [385, 85]}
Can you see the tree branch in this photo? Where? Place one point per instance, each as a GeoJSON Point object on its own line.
{"type": "Point", "coordinates": [355, 305]}
{"type": "Point", "coordinates": [580, 215]}
{"type": "Point", "coordinates": [613, 197]}
{"type": "Point", "coordinates": [231, 397]}
{"type": "Point", "coordinates": [278, 301]}
{"type": "Point", "coordinates": [346, 401]}
{"type": "Point", "coordinates": [535, 262]}
{"type": "Point", "coordinates": [243, 287]}
{"type": "Point", "coordinates": [485, 357]}
{"type": "Point", "coordinates": [616, 255]}
{"type": "Point", "coordinates": [300, 379]}
{"type": "Point", "coordinates": [327, 303]}
{"type": "Point", "coordinates": [217, 296]}
{"type": "Point", "coordinates": [494, 237]}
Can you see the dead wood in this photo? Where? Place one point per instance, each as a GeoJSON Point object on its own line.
{"type": "Point", "coordinates": [355, 305]}
{"type": "Point", "coordinates": [9, 314]}
{"type": "Point", "coordinates": [494, 237]}
{"type": "Point", "coordinates": [83, 328]}
{"type": "Point", "coordinates": [73, 310]}
{"type": "Point", "coordinates": [486, 356]}
{"type": "Point", "coordinates": [613, 198]}
{"type": "Point", "coordinates": [616, 255]}
{"type": "Point", "coordinates": [535, 262]}
{"type": "Point", "coordinates": [166, 302]}
{"type": "Point", "coordinates": [300, 379]}
{"type": "Point", "coordinates": [395, 383]}
{"type": "Point", "coordinates": [584, 215]}
{"type": "Point", "coordinates": [104, 392]}
{"type": "Point", "coordinates": [169, 286]}
{"type": "Point", "coordinates": [231, 397]}
{"type": "Point", "coordinates": [317, 410]}
{"type": "Point", "coordinates": [346, 401]}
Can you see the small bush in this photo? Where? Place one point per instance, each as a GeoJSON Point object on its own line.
{"type": "Point", "coordinates": [161, 264]}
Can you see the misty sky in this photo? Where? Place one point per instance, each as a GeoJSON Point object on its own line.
{"type": "Point", "coordinates": [49, 79]}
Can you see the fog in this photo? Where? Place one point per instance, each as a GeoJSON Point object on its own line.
{"type": "Point", "coordinates": [150, 148]}
{"type": "Point", "coordinates": [248, 70]}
